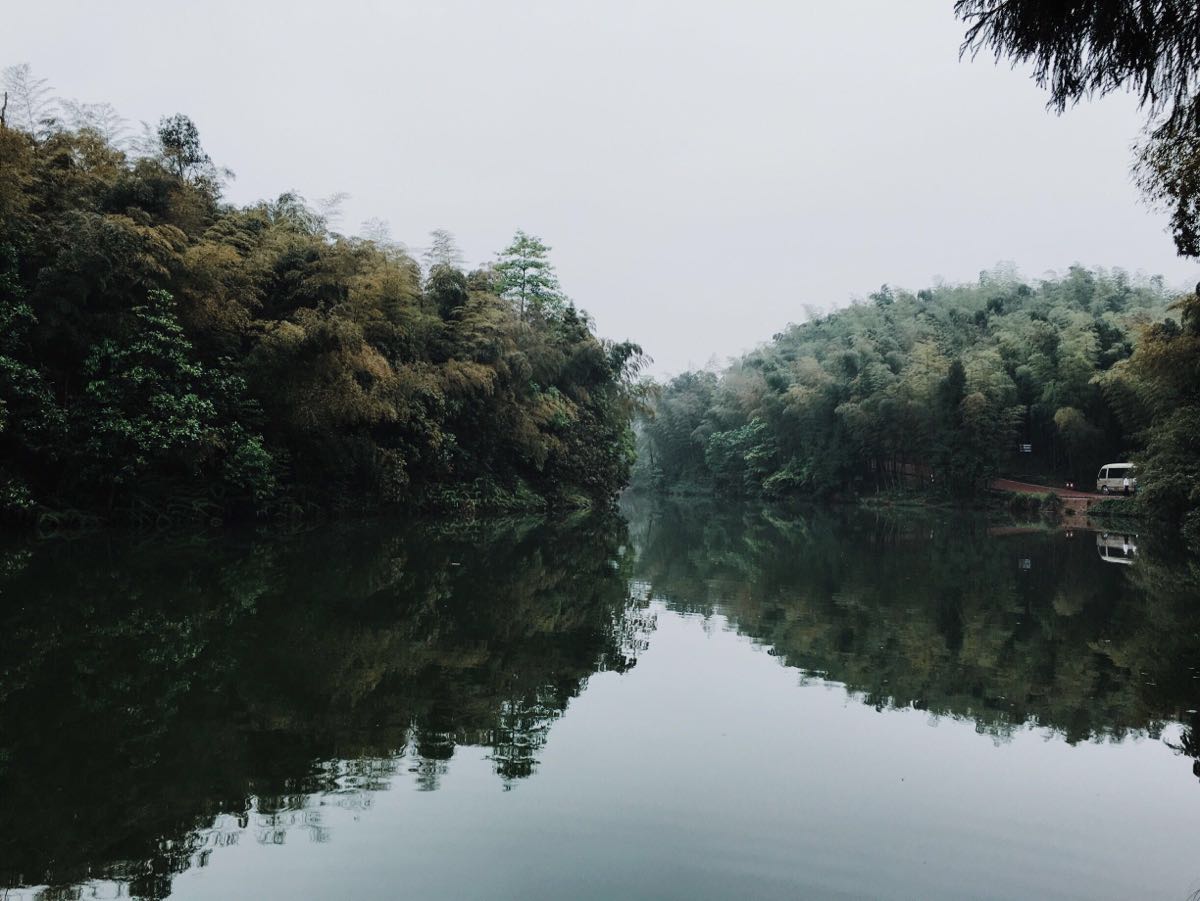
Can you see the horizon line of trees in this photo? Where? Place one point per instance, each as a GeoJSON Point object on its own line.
{"type": "Point", "coordinates": [164, 353]}
{"type": "Point", "coordinates": [941, 390]}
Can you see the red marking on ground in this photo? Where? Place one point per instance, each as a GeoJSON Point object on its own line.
{"type": "Point", "coordinates": [1028, 488]}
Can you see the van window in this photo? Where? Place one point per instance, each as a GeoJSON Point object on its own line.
{"type": "Point", "coordinates": [1104, 473]}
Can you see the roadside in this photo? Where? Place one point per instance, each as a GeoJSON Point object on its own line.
{"type": "Point", "coordinates": [1072, 507]}
{"type": "Point", "coordinates": [1028, 488]}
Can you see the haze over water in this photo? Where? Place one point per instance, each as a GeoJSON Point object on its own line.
{"type": "Point", "coordinates": [692, 702]}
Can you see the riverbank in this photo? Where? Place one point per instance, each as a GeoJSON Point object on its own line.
{"type": "Point", "coordinates": [1023, 504]}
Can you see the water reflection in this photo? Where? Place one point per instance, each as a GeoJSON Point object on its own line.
{"type": "Point", "coordinates": [1116, 548]}
{"type": "Point", "coordinates": [159, 701]}
{"type": "Point", "coordinates": [1006, 627]}
{"type": "Point", "coordinates": [162, 701]}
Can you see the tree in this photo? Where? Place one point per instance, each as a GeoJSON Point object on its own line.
{"type": "Point", "coordinates": [1079, 438]}
{"type": "Point", "coordinates": [284, 352]}
{"type": "Point", "coordinates": [447, 287]}
{"type": "Point", "coordinates": [880, 396]}
{"type": "Point", "coordinates": [1157, 392]}
{"type": "Point", "coordinates": [527, 277]}
{"type": "Point", "coordinates": [151, 408]}
{"type": "Point", "coordinates": [956, 455]}
{"type": "Point", "coordinates": [741, 459]}
{"type": "Point", "coordinates": [443, 250]}
{"type": "Point", "coordinates": [179, 141]}
{"type": "Point", "coordinates": [30, 421]}
{"type": "Point", "coordinates": [1167, 169]}
{"type": "Point", "coordinates": [101, 118]}
{"type": "Point", "coordinates": [1094, 47]}
{"type": "Point", "coordinates": [673, 435]}
{"type": "Point", "coordinates": [30, 101]}
{"type": "Point", "coordinates": [1091, 48]}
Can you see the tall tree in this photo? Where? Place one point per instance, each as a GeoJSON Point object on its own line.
{"type": "Point", "coordinates": [31, 103]}
{"type": "Point", "coordinates": [443, 250]}
{"type": "Point", "coordinates": [179, 140]}
{"type": "Point", "coordinates": [101, 118]}
{"type": "Point", "coordinates": [527, 277]}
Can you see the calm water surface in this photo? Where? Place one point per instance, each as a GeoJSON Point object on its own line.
{"type": "Point", "coordinates": [688, 702]}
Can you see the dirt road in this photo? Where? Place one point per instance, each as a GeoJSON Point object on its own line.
{"type": "Point", "coordinates": [1028, 488]}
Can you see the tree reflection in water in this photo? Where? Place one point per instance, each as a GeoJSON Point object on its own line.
{"type": "Point", "coordinates": [945, 613]}
{"type": "Point", "coordinates": [161, 700]}
{"type": "Point", "coordinates": [158, 701]}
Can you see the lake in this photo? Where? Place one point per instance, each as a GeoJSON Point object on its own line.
{"type": "Point", "coordinates": [688, 700]}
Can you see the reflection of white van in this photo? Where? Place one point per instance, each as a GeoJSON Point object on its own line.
{"type": "Point", "coordinates": [1111, 478]}
{"type": "Point", "coordinates": [1116, 548]}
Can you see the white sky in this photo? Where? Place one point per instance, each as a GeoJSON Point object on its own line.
{"type": "Point", "coordinates": [705, 171]}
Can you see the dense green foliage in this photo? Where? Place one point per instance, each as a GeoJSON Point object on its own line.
{"type": "Point", "coordinates": [934, 391]}
{"type": "Point", "coordinates": [1157, 391]}
{"type": "Point", "coordinates": [165, 353]}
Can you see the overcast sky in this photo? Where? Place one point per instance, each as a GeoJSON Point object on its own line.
{"type": "Point", "coordinates": [705, 171]}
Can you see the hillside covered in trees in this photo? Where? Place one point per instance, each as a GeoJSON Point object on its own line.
{"type": "Point", "coordinates": [938, 391]}
{"type": "Point", "coordinates": [165, 353]}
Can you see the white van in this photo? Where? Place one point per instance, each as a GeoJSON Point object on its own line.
{"type": "Point", "coordinates": [1111, 478]}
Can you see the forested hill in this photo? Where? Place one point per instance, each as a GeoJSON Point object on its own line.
{"type": "Point", "coordinates": [938, 390]}
{"type": "Point", "coordinates": [164, 354]}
